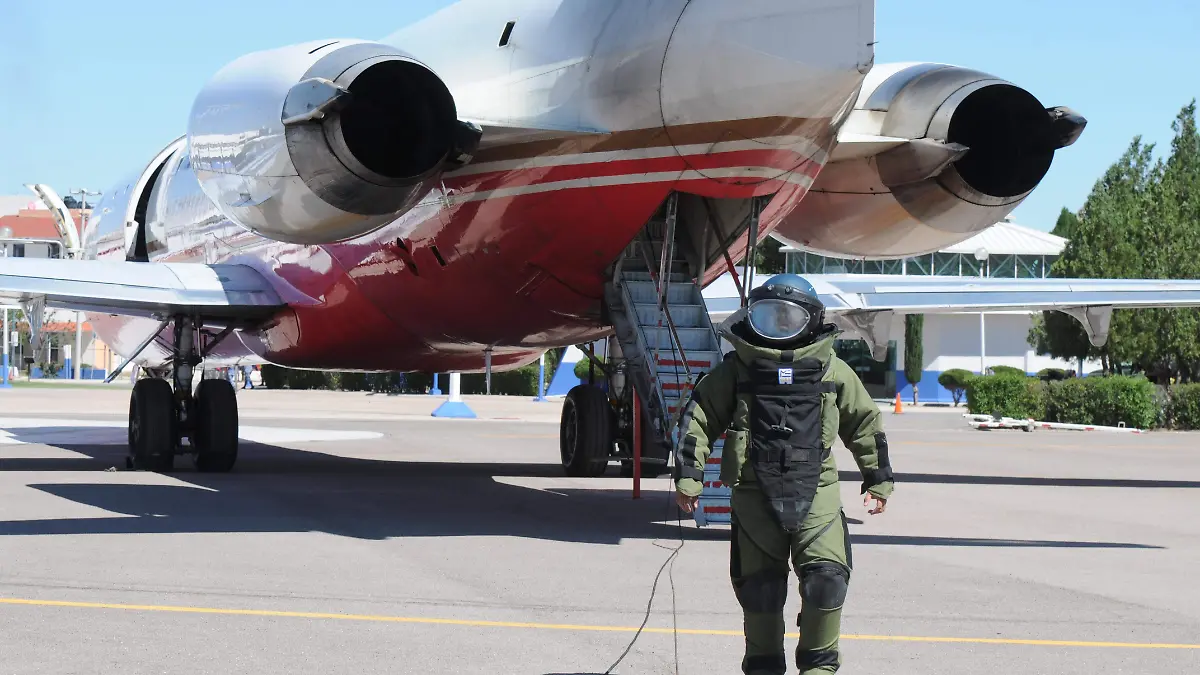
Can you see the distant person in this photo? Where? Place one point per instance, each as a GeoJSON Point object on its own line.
{"type": "Point", "coordinates": [784, 398]}
{"type": "Point", "coordinates": [247, 372]}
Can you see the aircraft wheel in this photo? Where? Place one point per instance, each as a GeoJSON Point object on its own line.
{"type": "Point", "coordinates": [216, 427]}
{"type": "Point", "coordinates": [585, 431]}
{"type": "Point", "coordinates": [152, 425]}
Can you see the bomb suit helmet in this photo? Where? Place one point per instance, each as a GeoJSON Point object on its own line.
{"type": "Point", "coordinates": [785, 310]}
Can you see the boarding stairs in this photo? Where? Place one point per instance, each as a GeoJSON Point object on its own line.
{"type": "Point", "coordinates": [668, 343]}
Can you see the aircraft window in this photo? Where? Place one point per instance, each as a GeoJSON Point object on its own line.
{"type": "Point", "coordinates": [508, 29]}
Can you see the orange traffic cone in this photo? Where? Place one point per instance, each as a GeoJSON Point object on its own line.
{"type": "Point", "coordinates": [899, 408]}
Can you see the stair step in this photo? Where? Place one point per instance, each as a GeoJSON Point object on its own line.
{"type": "Point", "coordinates": [689, 339]}
{"type": "Point", "coordinates": [641, 275]}
{"type": "Point", "coordinates": [684, 316]}
{"type": "Point", "coordinates": [700, 358]}
{"type": "Point", "coordinates": [644, 292]}
{"type": "Point", "coordinates": [678, 381]}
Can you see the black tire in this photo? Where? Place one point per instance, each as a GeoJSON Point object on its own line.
{"type": "Point", "coordinates": [152, 425]}
{"type": "Point", "coordinates": [215, 435]}
{"type": "Point", "coordinates": [585, 432]}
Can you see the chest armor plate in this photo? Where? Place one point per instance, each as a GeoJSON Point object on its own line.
{"type": "Point", "coordinates": [786, 450]}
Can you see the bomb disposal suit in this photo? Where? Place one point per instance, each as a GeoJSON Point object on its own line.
{"type": "Point", "coordinates": [782, 397]}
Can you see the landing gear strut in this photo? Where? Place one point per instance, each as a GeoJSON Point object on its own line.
{"type": "Point", "coordinates": [163, 412]}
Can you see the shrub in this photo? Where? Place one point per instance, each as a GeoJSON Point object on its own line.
{"type": "Point", "coordinates": [1007, 370]}
{"type": "Point", "coordinates": [956, 380]}
{"type": "Point", "coordinates": [1183, 408]}
{"type": "Point", "coordinates": [1006, 396]}
{"type": "Point", "coordinates": [1105, 401]}
{"type": "Point", "coordinates": [581, 369]}
{"type": "Point", "coordinates": [1067, 401]}
{"type": "Point", "coordinates": [1052, 374]}
{"type": "Point", "coordinates": [520, 382]}
{"type": "Point", "coordinates": [1123, 399]}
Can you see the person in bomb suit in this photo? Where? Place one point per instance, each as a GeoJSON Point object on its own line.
{"type": "Point", "coordinates": [782, 397]}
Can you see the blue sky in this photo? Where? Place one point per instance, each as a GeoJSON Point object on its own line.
{"type": "Point", "coordinates": [89, 95]}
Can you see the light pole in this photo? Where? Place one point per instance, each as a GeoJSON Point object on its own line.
{"type": "Point", "coordinates": [982, 256]}
{"type": "Point", "coordinates": [77, 353]}
{"type": "Point", "coordinates": [541, 388]}
{"type": "Point", "coordinates": [4, 384]}
{"type": "Point", "coordinates": [5, 234]}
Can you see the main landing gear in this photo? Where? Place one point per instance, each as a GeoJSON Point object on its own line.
{"type": "Point", "coordinates": [597, 427]}
{"type": "Point", "coordinates": [163, 411]}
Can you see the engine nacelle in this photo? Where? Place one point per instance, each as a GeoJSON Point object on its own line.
{"type": "Point", "coordinates": [326, 141]}
{"type": "Point", "coordinates": [930, 155]}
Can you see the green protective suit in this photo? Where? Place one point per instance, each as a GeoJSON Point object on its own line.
{"type": "Point", "coordinates": [761, 550]}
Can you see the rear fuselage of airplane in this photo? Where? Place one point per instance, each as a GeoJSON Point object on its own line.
{"type": "Point", "coordinates": [511, 252]}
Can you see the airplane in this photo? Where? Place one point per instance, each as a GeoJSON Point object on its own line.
{"type": "Point", "coordinates": [506, 177]}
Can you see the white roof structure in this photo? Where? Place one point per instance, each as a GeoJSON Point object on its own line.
{"type": "Point", "coordinates": [1008, 238]}
{"type": "Point", "coordinates": [1004, 238]}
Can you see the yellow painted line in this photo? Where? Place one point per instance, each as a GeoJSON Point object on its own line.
{"type": "Point", "coordinates": [562, 626]}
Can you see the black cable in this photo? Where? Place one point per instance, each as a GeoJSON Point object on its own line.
{"type": "Point", "coordinates": [654, 590]}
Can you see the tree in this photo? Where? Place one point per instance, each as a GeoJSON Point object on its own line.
{"type": "Point", "coordinates": [914, 350]}
{"type": "Point", "coordinates": [956, 380]}
{"type": "Point", "coordinates": [1142, 220]}
{"type": "Point", "coordinates": [1066, 224]}
{"type": "Point", "coordinates": [768, 258]}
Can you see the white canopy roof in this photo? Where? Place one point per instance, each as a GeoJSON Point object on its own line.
{"type": "Point", "coordinates": [1005, 238]}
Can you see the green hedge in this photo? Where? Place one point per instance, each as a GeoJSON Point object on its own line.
{"type": "Point", "coordinates": [1006, 370]}
{"type": "Point", "coordinates": [1006, 396]}
{"type": "Point", "coordinates": [582, 366]}
{"type": "Point", "coordinates": [1183, 407]}
{"type": "Point", "coordinates": [520, 382]}
{"type": "Point", "coordinates": [1112, 400]}
{"type": "Point", "coordinates": [1105, 401]}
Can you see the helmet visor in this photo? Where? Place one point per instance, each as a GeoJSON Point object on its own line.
{"type": "Point", "coordinates": [778, 319]}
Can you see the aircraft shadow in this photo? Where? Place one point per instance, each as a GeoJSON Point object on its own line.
{"type": "Point", "coordinates": [278, 489]}
{"type": "Point", "coordinates": [1037, 481]}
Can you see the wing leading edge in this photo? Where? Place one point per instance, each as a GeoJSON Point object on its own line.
{"type": "Point", "coordinates": [866, 305]}
{"type": "Point", "coordinates": [235, 294]}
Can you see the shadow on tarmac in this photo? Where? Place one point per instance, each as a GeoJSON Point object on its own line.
{"type": "Point", "coordinates": [276, 489]}
{"type": "Point", "coordinates": [1037, 481]}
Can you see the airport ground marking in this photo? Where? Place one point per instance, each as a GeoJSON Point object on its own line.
{"type": "Point", "coordinates": [183, 609]}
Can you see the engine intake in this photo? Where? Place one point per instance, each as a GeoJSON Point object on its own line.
{"type": "Point", "coordinates": [323, 142]}
{"type": "Point", "coordinates": [930, 156]}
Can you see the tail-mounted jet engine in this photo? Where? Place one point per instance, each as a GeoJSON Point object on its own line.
{"type": "Point", "coordinates": [929, 156]}
{"type": "Point", "coordinates": [326, 141]}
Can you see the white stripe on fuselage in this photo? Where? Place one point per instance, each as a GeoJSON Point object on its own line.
{"type": "Point", "coordinates": [801, 145]}
{"type": "Point", "coordinates": [757, 174]}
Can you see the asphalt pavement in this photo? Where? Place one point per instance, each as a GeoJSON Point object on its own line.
{"type": "Point", "coordinates": [360, 535]}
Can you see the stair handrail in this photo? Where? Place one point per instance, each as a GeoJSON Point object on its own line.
{"type": "Point", "coordinates": [677, 344]}
{"type": "Point", "coordinates": [644, 348]}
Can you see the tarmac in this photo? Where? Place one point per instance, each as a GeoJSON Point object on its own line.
{"type": "Point", "coordinates": [360, 535]}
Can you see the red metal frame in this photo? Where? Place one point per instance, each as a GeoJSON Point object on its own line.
{"type": "Point", "coordinates": [637, 446]}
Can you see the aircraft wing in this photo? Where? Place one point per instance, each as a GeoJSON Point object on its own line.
{"type": "Point", "coordinates": [866, 304]}
{"type": "Point", "coordinates": [234, 294]}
